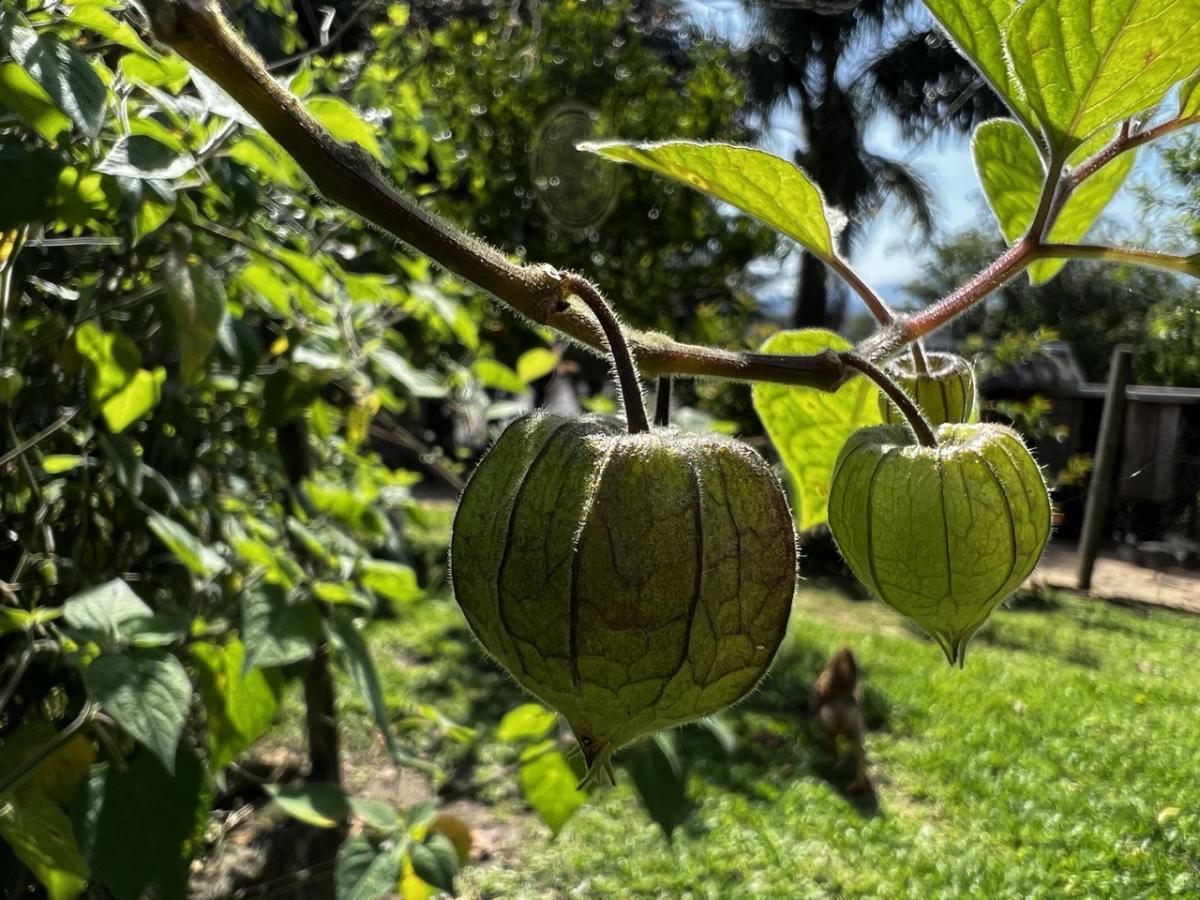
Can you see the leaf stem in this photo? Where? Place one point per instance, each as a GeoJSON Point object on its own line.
{"type": "Point", "coordinates": [618, 348]}
{"type": "Point", "coordinates": [883, 313]}
{"type": "Point", "coordinates": [1187, 265]}
{"type": "Point", "coordinates": [1122, 143]}
{"type": "Point", "coordinates": [912, 413]}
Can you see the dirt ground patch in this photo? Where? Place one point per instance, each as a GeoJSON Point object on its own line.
{"type": "Point", "coordinates": [1118, 579]}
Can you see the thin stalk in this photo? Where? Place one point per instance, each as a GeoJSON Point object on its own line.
{"type": "Point", "coordinates": [10, 686]}
{"type": "Point", "coordinates": [920, 364]}
{"type": "Point", "coordinates": [883, 313]}
{"type": "Point", "coordinates": [912, 413]}
{"type": "Point", "coordinates": [627, 375]}
{"type": "Point", "coordinates": [1186, 265]}
{"type": "Point", "coordinates": [14, 778]}
{"type": "Point", "coordinates": [662, 402]}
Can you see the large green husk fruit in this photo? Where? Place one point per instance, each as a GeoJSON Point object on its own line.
{"type": "Point", "coordinates": [946, 392]}
{"type": "Point", "coordinates": [945, 533]}
{"type": "Point", "coordinates": [631, 581]}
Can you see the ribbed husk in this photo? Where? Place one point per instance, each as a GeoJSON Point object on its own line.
{"type": "Point", "coordinates": [633, 582]}
{"type": "Point", "coordinates": [942, 534]}
{"type": "Point", "coordinates": [946, 393]}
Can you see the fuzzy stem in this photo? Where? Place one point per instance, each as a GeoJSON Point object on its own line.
{"type": "Point", "coordinates": [912, 413]}
{"type": "Point", "coordinates": [920, 364]}
{"type": "Point", "coordinates": [622, 359]}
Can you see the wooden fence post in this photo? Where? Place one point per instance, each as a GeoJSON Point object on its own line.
{"type": "Point", "coordinates": [1108, 448]}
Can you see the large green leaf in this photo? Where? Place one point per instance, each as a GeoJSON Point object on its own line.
{"type": "Point", "coordinates": [239, 706]}
{"type": "Point", "coordinates": [123, 391]}
{"type": "Point", "coordinates": [1085, 64]}
{"type": "Point", "coordinates": [760, 184]}
{"type": "Point", "coordinates": [147, 694]}
{"type": "Point", "coordinates": [138, 824]}
{"type": "Point", "coordinates": [277, 631]}
{"type": "Point", "coordinates": [549, 785]}
{"type": "Point", "coordinates": [366, 871]}
{"type": "Point", "coordinates": [106, 610]}
{"type": "Point", "coordinates": [60, 69]}
{"type": "Point", "coordinates": [195, 308]}
{"type": "Point", "coordinates": [977, 28]}
{"type": "Point", "coordinates": [29, 100]}
{"type": "Point", "coordinates": [808, 426]}
{"type": "Point", "coordinates": [1012, 172]}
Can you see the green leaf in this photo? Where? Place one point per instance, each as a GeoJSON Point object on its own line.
{"type": "Point", "coordinates": [169, 72]}
{"type": "Point", "coordinates": [276, 631]}
{"type": "Point", "coordinates": [364, 871]}
{"type": "Point", "coordinates": [528, 722]}
{"type": "Point", "coordinates": [435, 861]}
{"type": "Point", "coordinates": [123, 391]}
{"type": "Point", "coordinates": [344, 123]}
{"type": "Point", "coordinates": [199, 558]}
{"type": "Point", "coordinates": [536, 363]}
{"type": "Point", "coordinates": [147, 694]}
{"type": "Point", "coordinates": [105, 610]}
{"type": "Point", "coordinates": [808, 426]}
{"type": "Point", "coordinates": [549, 785]}
{"type": "Point", "coordinates": [139, 824]}
{"type": "Point", "coordinates": [771, 189]}
{"type": "Point", "coordinates": [57, 463]}
{"type": "Point", "coordinates": [496, 375]}
{"type": "Point", "coordinates": [141, 156]}
{"type": "Point", "coordinates": [69, 81]}
{"type": "Point", "coordinates": [976, 27]}
{"type": "Point", "coordinates": [101, 21]}
{"type": "Point", "coordinates": [391, 580]}
{"type": "Point", "coordinates": [1085, 64]}
{"type": "Point", "coordinates": [196, 309]}
{"type": "Point", "coordinates": [29, 100]}
{"type": "Point", "coordinates": [318, 803]}
{"type": "Point", "coordinates": [659, 780]}
{"type": "Point", "coordinates": [417, 382]}
{"type": "Point", "coordinates": [41, 837]}
{"type": "Point", "coordinates": [239, 706]}
{"type": "Point", "coordinates": [1011, 172]}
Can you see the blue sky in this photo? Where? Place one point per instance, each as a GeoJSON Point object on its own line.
{"type": "Point", "coordinates": [889, 254]}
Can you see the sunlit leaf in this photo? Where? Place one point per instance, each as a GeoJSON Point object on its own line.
{"type": "Point", "coordinates": [29, 100]}
{"type": "Point", "coordinates": [102, 22]}
{"type": "Point", "coordinates": [1012, 172]}
{"type": "Point", "coordinates": [141, 156]}
{"type": "Point", "coordinates": [147, 694]}
{"type": "Point", "coordinates": [1189, 97]}
{"type": "Point", "coordinates": [345, 123]}
{"type": "Point", "coordinates": [765, 186]}
{"type": "Point", "coordinates": [391, 580]}
{"type": "Point", "coordinates": [416, 381]}
{"type": "Point", "coordinates": [123, 391]}
{"type": "Point", "coordinates": [1085, 64]}
{"type": "Point", "coordinates": [549, 785]}
{"type": "Point", "coordinates": [57, 463]}
{"type": "Point", "coordinates": [60, 69]}
{"type": "Point", "coordinates": [169, 72]}
{"type": "Point", "coordinates": [105, 610]}
{"type": "Point", "coordinates": [494, 374]}
{"type": "Point", "coordinates": [528, 722]}
{"type": "Point", "coordinates": [536, 363]}
{"type": "Point", "coordinates": [318, 803]}
{"type": "Point", "coordinates": [200, 559]}
{"type": "Point", "coordinates": [808, 427]}
{"type": "Point", "coordinates": [40, 835]}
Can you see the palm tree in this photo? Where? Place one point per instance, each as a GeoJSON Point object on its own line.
{"type": "Point", "coordinates": [799, 58]}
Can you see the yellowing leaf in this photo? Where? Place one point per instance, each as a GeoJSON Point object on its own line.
{"type": "Point", "coordinates": [767, 187]}
{"type": "Point", "coordinates": [808, 427]}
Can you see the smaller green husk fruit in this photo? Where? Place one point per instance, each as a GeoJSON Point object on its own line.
{"type": "Point", "coordinates": [945, 392]}
{"type": "Point", "coordinates": [632, 581]}
{"type": "Point", "coordinates": [941, 533]}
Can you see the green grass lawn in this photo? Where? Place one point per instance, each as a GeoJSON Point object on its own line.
{"type": "Point", "coordinates": [1062, 761]}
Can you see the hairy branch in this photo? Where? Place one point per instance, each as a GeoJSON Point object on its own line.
{"type": "Point", "coordinates": [347, 175]}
